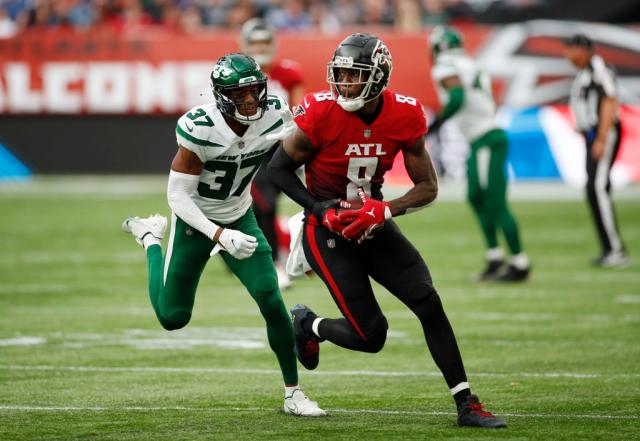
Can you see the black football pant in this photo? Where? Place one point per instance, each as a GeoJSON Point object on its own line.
{"type": "Point", "coordinates": [599, 192]}
{"type": "Point", "coordinates": [265, 198]}
{"type": "Point", "coordinates": [391, 260]}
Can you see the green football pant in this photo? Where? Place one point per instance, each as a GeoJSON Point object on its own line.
{"type": "Point", "coordinates": [487, 189]}
{"type": "Point", "coordinates": [173, 282]}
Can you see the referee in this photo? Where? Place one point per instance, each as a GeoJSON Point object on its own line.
{"type": "Point", "coordinates": [594, 105]}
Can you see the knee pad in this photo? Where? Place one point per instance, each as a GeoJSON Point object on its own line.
{"type": "Point", "coordinates": [376, 340]}
{"type": "Point", "coordinates": [265, 285]}
{"type": "Point", "coordinates": [175, 320]}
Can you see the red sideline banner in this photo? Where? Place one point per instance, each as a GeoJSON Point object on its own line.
{"type": "Point", "coordinates": [157, 72]}
{"type": "Point", "coordinates": [67, 73]}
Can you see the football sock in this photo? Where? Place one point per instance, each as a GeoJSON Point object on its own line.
{"type": "Point", "coordinates": [520, 261]}
{"type": "Point", "coordinates": [315, 325]}
{"type": "Point", "coordinates": [494, 254]}
{"type": "Point", "coordinates": [461, 392]}
{"type": "Point", "coordinates": [289, 390]}
{"type": "Point", "coordinates": [155, 267]}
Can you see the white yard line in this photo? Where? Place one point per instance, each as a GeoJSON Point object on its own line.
{"type": "Point", "coordinates": [355, 373]}
{"type": "Point", "coordinates": [28, 408]}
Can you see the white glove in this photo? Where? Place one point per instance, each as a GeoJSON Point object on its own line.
{"type": "Point", "coordinates": [236, 243]}
{"type": "Point", "coordinates": [288, 128]}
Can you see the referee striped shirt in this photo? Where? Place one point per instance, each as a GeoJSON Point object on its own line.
{"type": "Point", "coordinates": [590, 85]}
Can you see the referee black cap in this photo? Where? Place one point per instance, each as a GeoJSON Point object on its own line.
{"type": "Point", "coordinates": [580, 40]}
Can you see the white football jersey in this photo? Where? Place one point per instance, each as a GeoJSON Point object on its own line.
{"type": "Point", "coordinates": [230, 161]}
{"type": "Point", "coordinates": [477, 114]}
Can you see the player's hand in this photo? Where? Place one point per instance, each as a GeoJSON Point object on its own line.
{"type": "Point", "coordinates": [288, 128]}
{"type": "Point", "coordinates": [326, 212]}
{"type": "Point", "coordinates": [363, 223]}
{"type": "Point", "coordinates": [236, 243]}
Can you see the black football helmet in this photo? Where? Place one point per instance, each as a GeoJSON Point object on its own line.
{"type": "Point", "coordinates": [370, 56]}
{"type": "Point", "coordinates": [258, 31]}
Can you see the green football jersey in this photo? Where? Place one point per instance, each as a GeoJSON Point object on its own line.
{"type": "Point", "coordinates": [230, 161]}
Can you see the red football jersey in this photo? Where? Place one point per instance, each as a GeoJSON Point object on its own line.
{"type": "Point", "coordinates": [283, 77]}
{"type": "Point", "coordinates": [350, 153]}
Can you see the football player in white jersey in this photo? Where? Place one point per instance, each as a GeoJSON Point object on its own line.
{"type": "Point", "coordinates": [220, 147]}
{"type": "Point", "coordinates": [465, 93]}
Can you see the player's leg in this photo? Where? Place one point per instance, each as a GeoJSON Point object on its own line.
{"type": "Point", "coordinates": [477, 168]}
{"type": "Point", "coordinates": [396, 264]}
{"type": "Point", "coordinates": [497, 207]}
{"type": "Point", "coordinates": [173, 279]}
{"type": "Point", "coordinates": [258, 275]}
{"type": "Point", "coordinates": [338, 263]}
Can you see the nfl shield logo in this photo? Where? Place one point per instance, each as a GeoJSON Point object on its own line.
{"type": "Point", "coordinates": [241, 145]}
{"type": "Point", "coordinates": [331, 243]}
{"type": "Point", "coordinates": [367, 133]}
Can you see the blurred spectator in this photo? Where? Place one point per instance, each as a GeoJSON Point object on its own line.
{"type": "Point", "coordinates": [291, 15]}
{"type": "Point", "coordinates": [347, 11]}
{"type": "Point", "coordinates": [434, 13]}
{"type": "Point", "coordinates": [377, 12]}
{"type": "Point", "coordinates": [323, 18]}
{"type": "Point", "coordinates": [8, 27]}
{"type": "Point", "coordinates": [408, 17]}
{"type": "Point", "coordinates": [240, 12]}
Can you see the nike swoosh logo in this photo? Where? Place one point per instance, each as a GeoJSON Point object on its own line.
{"type": "Point", "coordinates": [188, 128]}
{"type": "Point", "coordinates": [306, 104]}
{"type": "Point", "coordinates": [371, 213]}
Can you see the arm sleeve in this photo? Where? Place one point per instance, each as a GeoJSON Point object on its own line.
{"type": "Point", "coordinates": [282, 170]}
{"type": "Point", "coordinates": [456, 98]}
{"type": "Point", "coordinates": [179, 190]}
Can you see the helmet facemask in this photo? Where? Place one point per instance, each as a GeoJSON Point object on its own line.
{"type": "Point", "coordinates": [225, 100]}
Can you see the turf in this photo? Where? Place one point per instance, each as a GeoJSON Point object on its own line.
{"type": "Point", "coordinates": [82, 357]}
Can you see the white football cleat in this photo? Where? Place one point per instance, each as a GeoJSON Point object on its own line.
{"type": "Point", "coordinates": [154, 225]}
{"type": "Point", "coordinates": [300, 405]}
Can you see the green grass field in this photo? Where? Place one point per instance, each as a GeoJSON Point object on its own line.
{"type": "Point", "coordinates": [82, 356]}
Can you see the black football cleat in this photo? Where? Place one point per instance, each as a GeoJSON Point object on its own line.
{"type": "Point", "coordinates": [472, 414]}
{"type": "Point", "coordinates": [307, 347]}
{"type": "Point", "coordinates": [513, 274]}
{"type": "Point", "coordinates": [491, 271]}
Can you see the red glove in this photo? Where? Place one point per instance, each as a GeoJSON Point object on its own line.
{"type": "Point", "coordinates": [331, 220]}
{"type": "Point", "coordinates": [363, 222]}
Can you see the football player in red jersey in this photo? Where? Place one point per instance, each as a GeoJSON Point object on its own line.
{"type": "Point", "coordinates": [347, 139]}
{"type": "Point", "coordinates": [284, 79]}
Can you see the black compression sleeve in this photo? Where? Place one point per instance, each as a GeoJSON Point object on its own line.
{"type": "Point", "coordinates": [282, 172]}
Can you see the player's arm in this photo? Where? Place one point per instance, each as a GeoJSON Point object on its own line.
{"type": "Point", "coordinates": [296, 151]}
{"type": "Point", "coordinates": [425, 182]}
{"type": "Point", "coordinates": [184, 178]}
{"type": "Point", "coordinates": [183, 181]}
{"type": "Point", "coordinates": [453, 85]}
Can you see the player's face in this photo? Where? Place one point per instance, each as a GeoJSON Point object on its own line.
{"type": "Point", "coordinates": [261, 51]}
{"type": "Point", "coordinates": [353, 81]}
{"type": "Point", "coordinates": [246, 99]}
